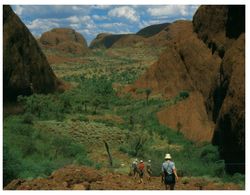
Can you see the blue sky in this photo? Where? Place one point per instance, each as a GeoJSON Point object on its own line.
{"type": "Point", "coordinates": [90, 20]}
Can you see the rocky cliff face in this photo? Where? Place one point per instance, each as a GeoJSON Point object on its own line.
{"type": "Point", "coordinates": [222, 29]}
{"type": "Point", "coordinates": [25, 67]}
{"type": "Point", "coordinates": [65, 40]}
{"type": "Point", "coordinates": [207, 59]}
{"type": "Point", "coordinates": [182, 67]}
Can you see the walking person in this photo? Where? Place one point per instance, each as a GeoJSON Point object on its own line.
{"type": "Point", "coordinates": [149, 170]}
{"type": "Point", "coordinates": [141, 170]}
{"type": "Point", "coordinates": [134, 168]}
{"type": "Point", "coordinates": [169, 174]}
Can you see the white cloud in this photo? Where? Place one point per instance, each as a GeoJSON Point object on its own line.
{"type": "Point", "coordinates": [86, 19]}
{"type": "Point", "coordinates": [73, 19]}
{"type": "Point", "coordinates": [18, 10]}
{"type": "Point", "coordinates": [43, 24]}
{"type": "Point", "coordinates": [97, 17]}
{"type": "Point", "coordinates": [124, 12]}
{"type": "Point", "coordinates": [101, 6]}
{"type": "Point", "coordinates": [86, 32]}
{"type": "Point", "coordinates": [168, 10]}
{"type": "Point", "coordinates": [75, 26]}
{"type": "Point", "coordinates": [112, 25]}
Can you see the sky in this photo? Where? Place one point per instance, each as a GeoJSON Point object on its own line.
{"type": "Point", "coordinates": [90, 20]}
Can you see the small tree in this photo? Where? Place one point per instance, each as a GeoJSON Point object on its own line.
{"type": "Point", "coordinates": [131, 122]}
{"type": "Point", "coordinates": [178, 126]}
{"type": "Point", "coordinates": [148, 92]}
{"type": "Point", "coordinates": [85, 102]}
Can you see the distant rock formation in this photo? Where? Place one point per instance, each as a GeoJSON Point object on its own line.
{"type": "Point", "coordinates": [25, 67]}
{"type": "Point", "coordinates": [105, 40]}
{"type": "Point", "coordinates": [145, 37]}
{"type": "Point", "coordinates": [151, 30]}
{"type": "Point", "coordinates": [64, 40]}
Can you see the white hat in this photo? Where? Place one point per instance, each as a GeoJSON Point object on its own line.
{"type": "Point", "coordinates": [167, 156]}
{"type": "Point", "coordinates": [141, 160]}
{"type": "Point", "coordinates": [149, 160]}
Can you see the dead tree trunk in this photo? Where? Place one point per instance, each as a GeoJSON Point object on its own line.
{"type": "Point", "coordinates": [109, 155]}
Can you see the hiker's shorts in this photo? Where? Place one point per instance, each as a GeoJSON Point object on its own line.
{"type": "Point", "coordinates": [169, 179]}
{"type": "Point", "coordinates": [141, 174]}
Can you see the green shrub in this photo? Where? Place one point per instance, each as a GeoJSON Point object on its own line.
{"type": "Point", "coordinates": [31, 153]}
{"type": "Point", "coordinates": [83, 118]}
{"type": "Point", "coordinates": [28, 118]}
{"type": "Point", "coordinates": [11, 164]}
{"type": "Point", "coordinates": [98, 166]}
{"type": "Point", "coordinates": [209, 153]}
{"type": "Point", "coordinates": [185, 180]}
{"type": "Point", "coordinates": [184, 94]}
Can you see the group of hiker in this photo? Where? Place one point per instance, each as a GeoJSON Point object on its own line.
{"type": "Point", "coordinates": [169, 174]}
{"type": "Point", "coordinates": [138, 168]}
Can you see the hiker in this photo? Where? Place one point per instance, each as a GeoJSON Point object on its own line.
{"type": "Point", "coordinates": [134, 168]}
{"type": "Point", "coordinates": [141, 170]}
{"type": "Point", "coordinates": [149, 170]}
{"type": "Point", "coordinates": [169, 175]}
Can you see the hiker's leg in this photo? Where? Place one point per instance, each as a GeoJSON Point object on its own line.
{"type": "Point", "coordinates": [166, 186]}
{"type": "Point", "coordinates": [172, 186]}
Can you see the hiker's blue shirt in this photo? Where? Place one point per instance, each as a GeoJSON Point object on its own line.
{"type": "Point", "coordinates": [168, 166]}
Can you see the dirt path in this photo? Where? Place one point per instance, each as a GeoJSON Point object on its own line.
{"type": "Point", "coordinates": [123, 182]}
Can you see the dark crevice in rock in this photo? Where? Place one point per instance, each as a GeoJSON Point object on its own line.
{"type": "Point", "coordinates": [236, 21]}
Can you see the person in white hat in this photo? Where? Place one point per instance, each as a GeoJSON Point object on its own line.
{"type": "Point", "coordinates": [169, 174]}
{"type": "Point", "coordinates": [149, 169]}
{"type": "Point", "coordinates": [134, 168]}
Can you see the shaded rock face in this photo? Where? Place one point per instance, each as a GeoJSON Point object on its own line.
{"type": "Point", "coordinates": [152, 30]}
{"type": "Point", "coordinates": [105, 40]}
{"type": "Point", "coordinates": [182, 67]}
{"type": "Point", "coordinates": [147, 36]}
{"type": "Point", "coordinates": [230, 125]}
{"type": "Point", "coordinates": [222, 29]}
{"type": "Point", "coordinates": [65, 40]}
{"type": "Point", "coordinates": [208, 57]}
{"type": "Point", "coordinates": [23, 61]}
{"type": "Point", "coordinates": [217, 25]}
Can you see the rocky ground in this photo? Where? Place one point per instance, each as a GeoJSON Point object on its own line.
{"type": "Point", "coordinates": [74, 177]}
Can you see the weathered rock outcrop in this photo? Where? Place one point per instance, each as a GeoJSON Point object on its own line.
{"type": "Point", "coordinates": [216, 25]}
{"type": "Point", "coordinates": [65, 40]}
{"type": "Point", "coordinates": [23, 61]}
{"type": "Point", "coordinates": [230, 123]}
{"type": "Point", "coordinates": [222, 29]}
{"type": "Point", "coordinates": [206, 57]}
{"type": "Point", "coordinates": [182, 67]}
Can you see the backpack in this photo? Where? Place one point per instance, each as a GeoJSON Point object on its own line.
{"type": "Point", "coordinates": [168, 178]}
{"type": "Point", "coordinates": [141, 166]}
